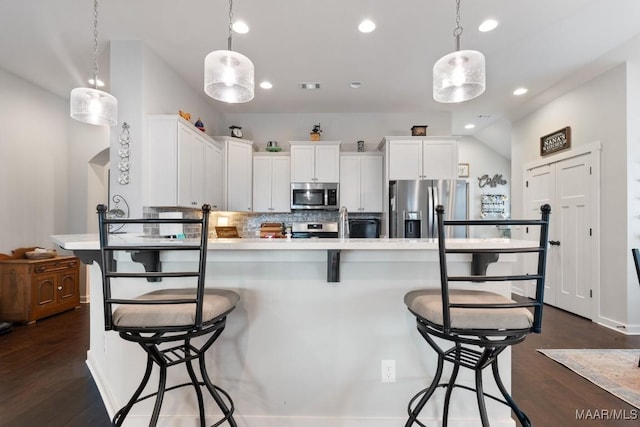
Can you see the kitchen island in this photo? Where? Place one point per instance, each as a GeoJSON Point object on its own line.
{"type": "Point", "coordinates": [300, 350]}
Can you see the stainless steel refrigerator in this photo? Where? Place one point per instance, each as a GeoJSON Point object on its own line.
{"type": "Point", "coordinates": [412, 207]}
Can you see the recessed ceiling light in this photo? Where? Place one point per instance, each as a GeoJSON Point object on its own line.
{"type": "Point", "coordinates": [310, 86]}
{"type": "Point", "coordinates": [266, 85]}
{"type": "Point", "coordinates": [355, 85]}
{"type": "Point", "coordinates": [488, 25]}
{"type": "Point", "coordinates": [469, 126]}
{"type": "Point", "coordinates": [100, 83]}
{"type": "Point", "coordinates": [520, 91]}
{"type": "Point", "coordinates": [240, 27]}
{"type": "Point", "coordinates": [367, 26]}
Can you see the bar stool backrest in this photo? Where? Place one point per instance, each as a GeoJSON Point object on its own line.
{"type": "Point", "coordinates": [447, 246]}
{"type": "Point", "coordinates": [148, 247]}
{"type": "Point", "coordinates": [636, 259]}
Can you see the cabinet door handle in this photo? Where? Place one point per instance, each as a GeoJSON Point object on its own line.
{"type": "Point", "coordinates": [554, 242]}
{"type": "Point", "coordinates": [59, 288]}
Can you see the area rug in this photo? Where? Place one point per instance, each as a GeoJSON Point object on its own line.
{"type": "Point", "coordinates": [616, 371]}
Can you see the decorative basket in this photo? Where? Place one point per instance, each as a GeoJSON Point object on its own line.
{"type": "Point", "coordinates": [41, 254]}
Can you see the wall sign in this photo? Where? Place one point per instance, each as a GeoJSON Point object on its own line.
{"type": "Point", "coordinates": [556, 141]}
{"type": "Point", "coordinates": [497, 179]}
{"type": "Point", "coordinates": [463, 170]}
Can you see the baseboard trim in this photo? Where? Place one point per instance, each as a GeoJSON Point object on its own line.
{"type": "Point", "coordinates": [99, 379]}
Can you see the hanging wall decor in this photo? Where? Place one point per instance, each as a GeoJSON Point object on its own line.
{"type": "Point", "coordinates": [556, 141]}
{"type": "Point", "coordinates": [124, 151]}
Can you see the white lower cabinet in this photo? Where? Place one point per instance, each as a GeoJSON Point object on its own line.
{"type": "Point", "coordinates": [361, 183]}
{"type": "Point", "coordinates": [271, 182]}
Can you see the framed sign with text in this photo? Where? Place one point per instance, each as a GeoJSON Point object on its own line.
{"type": "Point", "coordinates": [556, 141]}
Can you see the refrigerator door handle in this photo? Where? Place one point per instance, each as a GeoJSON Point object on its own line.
{"type": "Point", "coordinates": [435, 203]}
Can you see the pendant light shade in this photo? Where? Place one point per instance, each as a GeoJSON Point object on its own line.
{"type": "Point", "coordinates": [91, 105]}
{"type": "Point", "coordinates": [459, 76]}
{"type": "Point", "coordinates": [229, 76]}
{"type": "Point", "coordinates": [94, 106]}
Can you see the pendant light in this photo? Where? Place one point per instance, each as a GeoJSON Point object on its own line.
{"type": "Point", "coordinates": [91, 105]}
{"type": "Point", "coordinates": [460, 75]}
{"type": "Point", "coordinates": [228, 75]}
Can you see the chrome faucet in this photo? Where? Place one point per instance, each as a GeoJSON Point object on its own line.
{"type": "Point", "coordinates": [343, 230]}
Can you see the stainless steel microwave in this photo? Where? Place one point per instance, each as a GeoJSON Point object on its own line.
{"type": "Point", "coordinates": [315, 195]}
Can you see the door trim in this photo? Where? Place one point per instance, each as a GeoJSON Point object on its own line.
{"type": "Point", "coordinates": [594, 149]}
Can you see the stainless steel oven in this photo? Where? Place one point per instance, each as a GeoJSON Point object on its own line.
{"type": "Point", "coordinates": [315, 195]}
{"type": "Point", "coordinates": [311, 230]}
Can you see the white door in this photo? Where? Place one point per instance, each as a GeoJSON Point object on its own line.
{"type": "Point", "coordinates": [262, 184]}
{"type": "Point", "coordinates": [281, 184]}
{"type": "Point", "coordinates": [239, 177]}
{"type": "Point", "coordinates": [327, 163]}
{"type": "Point", "coordinates": [214, 176]}
{"type": "Point", "coordinates": [350, 182]}
{"type": "Point", "coordinates": [567, 186]}
{"type": "Point", "coordinates": [405, 159]}
{"type": "Point", "coordinates": [371, 183]}
{"type": "Point", "coordinates": [573, 235]}
{"type": "Point", "coordinates": [440, 159]}
{"type": "Point", "coordinates": [540, 190]}
{"type": "Point", "coordinates": [302, 163]}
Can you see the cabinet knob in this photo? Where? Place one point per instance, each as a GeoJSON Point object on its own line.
{"type": "Point", "coordinates": [59, 288]}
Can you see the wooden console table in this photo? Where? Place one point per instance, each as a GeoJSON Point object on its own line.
{"type": "Point", "coordinates": [33, 289]}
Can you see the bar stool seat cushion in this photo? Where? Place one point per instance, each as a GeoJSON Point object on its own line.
{"type": "Point", "coordinates": [216, 303]}
{"type": "Point", "coordinates": [427, 303]}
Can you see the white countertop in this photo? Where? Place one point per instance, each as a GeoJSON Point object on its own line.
{"type": "Point", "coordinates": [79, 242]}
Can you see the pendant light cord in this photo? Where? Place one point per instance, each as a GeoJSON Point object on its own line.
{"type": "Point", "coordinates": [95, 44]}
{"type": "Point", "coordinates": [230, 22]}
{"type": "Point", "coordinates": [457, 32]}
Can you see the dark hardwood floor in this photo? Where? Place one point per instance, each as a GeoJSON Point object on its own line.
{"type": "Point", "coordinates": [551, 394]}
{"type": "Point", "coordinates": [44, 380]}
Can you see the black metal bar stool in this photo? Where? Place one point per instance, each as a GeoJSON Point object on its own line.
{"type": "Point", "coordinates": [636, 259]}
{"type": "Point", "coordinates": [165, 322]}
{"type": "Point", "coordinates": [478, 324]}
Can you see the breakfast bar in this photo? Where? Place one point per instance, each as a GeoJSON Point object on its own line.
{"type": "Point", "coordinates": [301, 350]}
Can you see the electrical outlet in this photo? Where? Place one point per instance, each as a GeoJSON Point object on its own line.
{"type": "Point", "coordinates": [388, 371]}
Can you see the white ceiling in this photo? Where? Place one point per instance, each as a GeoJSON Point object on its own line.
{"type": "Point", "coordinates": [541, 44]}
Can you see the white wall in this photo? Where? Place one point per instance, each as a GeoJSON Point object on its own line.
{"type": "Point", "coordinates": [596, 111]}
{"type": "Point", "coordinates": [144, 84]}
{"type": "Point", "coordinates": [33, 164]}
{"type": "Point", "coordinates": [633, 189]}
{"type": "Point", "coordinates": [348, 128]}
{"type": "Point", "coordinates": [484, 161]}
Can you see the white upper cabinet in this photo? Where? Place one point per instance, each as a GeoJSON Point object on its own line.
{"type": "Point", "coordinates": [315, 161]}
{"type": "Point", "coordinates": [422, 158]}
{"type": "Point", "coordinates": [271, 182]}
{"type": "Point", "coordinates": [190, 167]}
{"type": "Point", "coordinates": [214, 175]}
{"type": "Point", "coordinates": [238, 158]}
{"type": "Point", "coordinates": [174, 160]}
{"type": "Point", "coordinates": [361, 183]}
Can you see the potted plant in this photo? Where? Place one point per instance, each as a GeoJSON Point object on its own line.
{"type": "Point", "coordinates": [315, 133]}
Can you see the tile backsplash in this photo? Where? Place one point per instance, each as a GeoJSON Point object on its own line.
{"type": "Point", "coordinates": [248, 223]}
